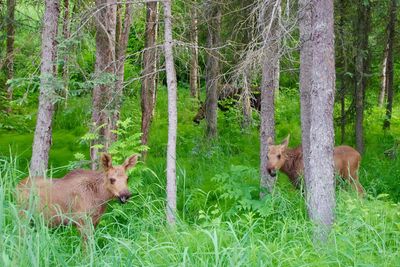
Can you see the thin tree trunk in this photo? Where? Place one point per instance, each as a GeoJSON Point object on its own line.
{"type": "Point", "coordinates": [122, 38]}
{"type": "Point", "coordinates": [212, 67]}
{"type": "Point", "coordinates": [149, 70]}
{"type": "Point", "coordinates": [246, 105]}
{"type": "Point", "coordinates": [9, 60]}
{"type": "Point", "coordinates": [343, 76]}
{"type": "Point", "coordinates": [342, 116]}
{"type": "Point", "coordinates": [66, 34]}
{"type": "Point", "coordinates": [383, 92]}
{"type": "Point", "coordinates": [194, 56]}
{"type": "Point", "coordinates": [320, 190]}
{"type": "Point", "coordinates": [389, 64]}
{"type": "Point", "coordinates": [269, 85]}
{"type": "Point", "coordinates": [43, 130]}
{"type": "Point", "coordinates": [105, 58]}
{"type": "Point", "coordinates": [362, 67]}
{"type": "Point", "coordinates": [172, 115]}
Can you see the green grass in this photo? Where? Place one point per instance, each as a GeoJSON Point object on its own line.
{"type": "Point", "coordinates": [221, 221]}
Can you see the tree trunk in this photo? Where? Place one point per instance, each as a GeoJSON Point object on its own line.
{"type": "Point", "coordinates": [319, 179]}
{"type": "Point", "coordinates": [212, 67]}
{"type": "Point", "coordinates": [306, 65]}
{"type": "Point", "coordinates": [389, 63]}
{"type": "Point", "coordinates": [122, 38]}
{"type": "Point", "coordinates": [269, 85]}
{"type": "Point", "coordinates": [149, 70]}
{"type": "Point", "coordinates": [172, 115]}
{"type": "Point", "coordinates": [383, 92]}
{"type": "Point", "coordinates": [66, 34]}
{"type": "Point", "coordinates": [9, 60]}
{"type": "Point", "coordinates": [104, 67]}
{"type": "Point", "coordinates": [362, 67]}
{"type": "Point", "coordinates": [194, 56]}
{"type": "Point", "coordinates": [43, 130]}
{"type": "Point", "coordinates": [343, 63]}
{"type": "Point", "coordinates": [246, 105]}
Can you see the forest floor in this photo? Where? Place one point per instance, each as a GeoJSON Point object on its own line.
{"type": "Point", "coordinates": [221, 220]}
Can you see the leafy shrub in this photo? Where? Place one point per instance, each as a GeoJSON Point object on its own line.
{"type": "Point", "coordinates": [240, 190]}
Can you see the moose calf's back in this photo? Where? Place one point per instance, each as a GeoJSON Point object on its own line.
{"type": "Point", "coordinates": [79, 194]}
{"type": "Point", "coordinates": [290, 161]}
{"type": "Point", "coordinates": [347, 161]}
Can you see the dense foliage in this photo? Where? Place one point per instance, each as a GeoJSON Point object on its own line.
{"type": "Point", "coordinates": [221, 220]}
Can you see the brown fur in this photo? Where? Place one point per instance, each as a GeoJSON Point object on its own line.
{"type": "Point", "coordinates": [290, 161]}
{"type": "Point", "coordinates": [79, 194]}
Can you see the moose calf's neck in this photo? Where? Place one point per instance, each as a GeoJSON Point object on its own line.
{"type": "Point", "coordinates": [294, 165]}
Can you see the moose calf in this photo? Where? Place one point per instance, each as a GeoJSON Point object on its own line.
{"type": "Point", "coordinates": [290, 161]}
{"type": "Point", "coordinates": [79, 195]}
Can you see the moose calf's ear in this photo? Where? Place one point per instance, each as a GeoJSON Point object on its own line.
{"type": "Point", "coordinates": [286, 141]}
{"type": "Point", "coordinates": [106, 161]}
{"type": "Point", "coordinates": [130, 162]}
{"type": "Point", "coordinates": [270, 142]}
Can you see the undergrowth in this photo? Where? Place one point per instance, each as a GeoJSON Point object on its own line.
{"type": "Point", "coordinates": [221, 220]}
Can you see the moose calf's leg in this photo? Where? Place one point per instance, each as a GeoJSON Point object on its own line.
{"type": "Point", "coordinates": [356, 183]}
{"type": "Point", "coordinates": [84, 226]}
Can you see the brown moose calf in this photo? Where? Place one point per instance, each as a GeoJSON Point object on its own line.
{"type": "Point", "coordinates": [79, 195]}
{"type": "Point", "coordinates": [290, 161]}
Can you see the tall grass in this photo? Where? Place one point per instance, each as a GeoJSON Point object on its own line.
{"type": "Point", "coordinates": [366, 232]}
{"type": "Point", "coordinates": [221, 221]}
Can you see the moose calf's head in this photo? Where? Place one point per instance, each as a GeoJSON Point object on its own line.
{"type": "Point", "coordinates": [276, 155]}
{"type": "Point", "coordinates": [116, 179]}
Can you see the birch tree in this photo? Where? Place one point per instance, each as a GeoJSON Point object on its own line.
{"type": "Point", "coordinates": [47, 97]}
{"type": "Point", "coordinates": [172, 114]}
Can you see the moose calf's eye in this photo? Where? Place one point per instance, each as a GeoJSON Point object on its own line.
{"type": "Point", "coordinates": [112, 180]}
{"type": "Point", "coordinates": [279, 156]}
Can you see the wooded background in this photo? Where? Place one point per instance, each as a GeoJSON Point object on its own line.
{"type": "Point", "coordinates": [81, 77]}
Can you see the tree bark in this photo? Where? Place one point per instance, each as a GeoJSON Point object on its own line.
{"type": "Point", "coordinates": [43, 130]}
{"type": "Point", "coordinates": [149, 70]}
{"type": "Point", "coordinates": [122, 38]}
{"type": "Point", "coordinates": [383, 92]}
{"type": "Point", "coordinates": [172, 115]}
{"type": "Point", "coordinates": [389, 63]}
{"type": "Point", "coordinates": [66, 34]}
{"type": "Point", "coordinates": [194, 56]}
{"type": "Point", "coordinates": [9, 60]}
{"type": "Point", "coordinates": [212, 67]}
{"type": "Point", "coordinates": [269, 85]}
{"type": "Point", "coordinates": [246, 105]}
{"type": "Point", "coordinates": [306, 61]}
{"type": "Point", "coordinates": [319, 179]}
{"type": "Point", "coordinates": [105, 64]}
{"type": "Point", "coordinates": [362, 68]}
